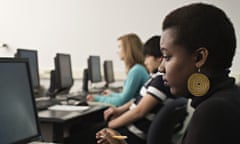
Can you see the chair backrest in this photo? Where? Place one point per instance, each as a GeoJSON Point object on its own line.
{"type": "Point", "coordinates": [168, 121]}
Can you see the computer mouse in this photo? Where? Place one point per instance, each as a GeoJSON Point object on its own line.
{"type": "Point", "coordinates": [83, 103]}
{"type": "Point", "coordinates": [72, 102]}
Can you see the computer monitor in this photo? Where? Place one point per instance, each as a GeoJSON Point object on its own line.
{"type": "Point", "coordinates": [94, 69]}
{"type": "Point", "coordinates": [85, 80]}
{"type": "Point", "coordinates": [108, 72]}
{"type": "Point", "coordinates": [18, 120]}
{"type": "Point", "coordinates": [63, 72]}
{"type": "Point", "coordinates": [32, 56]}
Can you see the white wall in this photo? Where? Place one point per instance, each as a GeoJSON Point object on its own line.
{"type": "Point", "coordinates": [84, 27]}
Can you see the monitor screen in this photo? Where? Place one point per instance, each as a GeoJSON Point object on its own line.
{"type": "Point", "coordinates": [63, 71]}
{"type": "Point", "coordinates": [18, 120]}
{"type": "Point", "coordinates": [94, 69]}
{"type": "Point", "coordinates": [108, 71]}
{"type": "Point", "coordinates": [32, 55]}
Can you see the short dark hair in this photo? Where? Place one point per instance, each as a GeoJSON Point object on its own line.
{"type": "Point", "coordinates": [204, 25]}
{"type": "Point", "coordinates": [152, 47]}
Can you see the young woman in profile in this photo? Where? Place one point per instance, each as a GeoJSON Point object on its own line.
{"type": "Point", "coordinates": [139, 114]}
{"type": "Point", "coordinates": [198, 45]}
{"type": "Point", "coordinates": [130, 51]}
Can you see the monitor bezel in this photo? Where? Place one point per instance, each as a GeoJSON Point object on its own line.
{"type": "Point", "coordinates": [25, 60]}
{"type": "Point", "coordinates": [19, 50]}
{"type": "Point", "coordinates": [90, 67]}
{"type": "Point", "coordinates": [59, 82]}
{"type": "Point", "coordinates": [106, 64]}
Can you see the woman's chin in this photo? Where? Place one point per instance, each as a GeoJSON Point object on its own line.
{"type": "Point", "coordinates": [173, 91]}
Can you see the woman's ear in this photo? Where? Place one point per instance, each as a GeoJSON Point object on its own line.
{"type": "Point", "coordinates": [201, 55]}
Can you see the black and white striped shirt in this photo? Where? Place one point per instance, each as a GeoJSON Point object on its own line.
{"type": "Point", "coordinates": [155, 87]}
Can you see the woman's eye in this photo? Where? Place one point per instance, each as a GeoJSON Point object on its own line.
{"type": "Point", "coordinates": [166, 57]}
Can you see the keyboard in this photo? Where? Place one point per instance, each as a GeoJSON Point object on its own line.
{"type": "Point", "coordinates": [95, 90]}
{"type": "Point", "coordinates": [39, 142]}
{"type": "Point", "coordinates": [77, 96]}
{"type": "Point", "coordinates": [68, 108]}
{"type": "Point", "coordinates": [74, 98]}
{"type": "Point", "coordinates": [44, 104]}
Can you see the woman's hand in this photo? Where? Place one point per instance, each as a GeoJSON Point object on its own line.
{"type": "Point", "coordinates": [104, 136]}
{"type": "Point", "coordinates": [106, 92]}
{"type": "Point", "coordinates": [90, 98]}
{"type": "Point", "coordinates": [111, 113]}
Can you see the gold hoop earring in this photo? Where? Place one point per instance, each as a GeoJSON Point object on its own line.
{"type": "Point", "coordinates": [198, 84]}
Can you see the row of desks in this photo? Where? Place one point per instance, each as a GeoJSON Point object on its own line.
{"type": "Point", "coordinates": [55, 125]}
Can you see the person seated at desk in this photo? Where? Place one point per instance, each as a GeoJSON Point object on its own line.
{"type": "Point", "coordinates": [138, 114]}
{"type": "Point", "coordinates": [130, 51]}
{"type": "Point", "coordinates": [198, 45]}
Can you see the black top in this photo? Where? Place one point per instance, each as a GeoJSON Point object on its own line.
{"type": "Point", "coordinates": [155, 87]}
{"type": "Point", "coordinates": [216, 119]}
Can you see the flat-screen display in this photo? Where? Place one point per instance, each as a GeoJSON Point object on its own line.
{"type": "Point", "coordinates": [108, 71]}
{"type": "Point", "coordinates": [94, 69]}
{"type": "Point", "coordinates": [32, 56]}
{"type": "Point", "coordinates": [63, 71]}
{"type": "Point", "coordinates": [18, 120]}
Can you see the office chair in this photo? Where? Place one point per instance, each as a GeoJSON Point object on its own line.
{"type": "Point", "coordinates": [168, 121]}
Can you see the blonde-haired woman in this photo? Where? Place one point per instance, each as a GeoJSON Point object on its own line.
{"type": "Point", "coordinates": [129, 51]}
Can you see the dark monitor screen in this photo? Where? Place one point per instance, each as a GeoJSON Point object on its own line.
{"type": "Point", "coordinates": [94, 69]}
{"type": "Point", "coordinates": [32, 55]}
{"type": "Point", "coordinates": [108, 71]}
{"type": "Point", "coordinates": [18, 120]}
{"type": "Point", "coordinates": [63, 71]}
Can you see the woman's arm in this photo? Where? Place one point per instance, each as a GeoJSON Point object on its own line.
{"type": "Point", "coordinates": [144, 106]}
{"type": "Point", "coordinates": [114, 112]}
{"type": "Point", "coordinates": [136, 77]}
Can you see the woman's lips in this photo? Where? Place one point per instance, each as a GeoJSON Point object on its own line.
{"type": "Point", "coordinates": [165, 82]}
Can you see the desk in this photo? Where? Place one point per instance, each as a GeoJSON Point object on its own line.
{"type": "Point", "coordinates": [55, 125]}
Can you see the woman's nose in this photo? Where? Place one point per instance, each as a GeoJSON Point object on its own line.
{"type": "Point", "coordinates": [161, 67]}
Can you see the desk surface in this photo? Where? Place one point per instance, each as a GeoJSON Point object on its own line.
{"type": "Point", "coordinates": [55, 125]}
{"type": "Point", "coordinates": [63, 116]}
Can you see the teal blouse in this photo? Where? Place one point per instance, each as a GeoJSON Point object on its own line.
{"type": "Point", "coordinates": [135, 79]}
